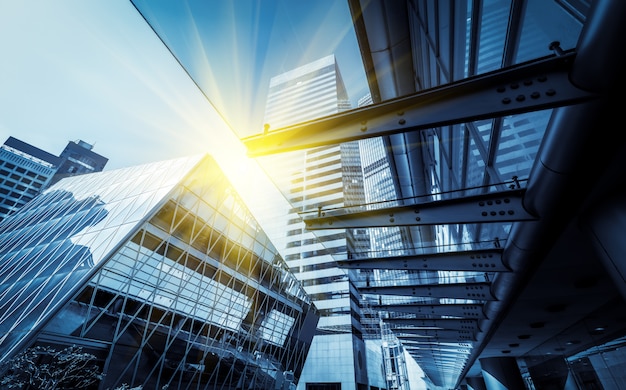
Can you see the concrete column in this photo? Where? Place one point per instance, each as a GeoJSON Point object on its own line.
{"type": "Point", "coordinates": [476, 383]}
{"type": "Point", "coordinates": [502, 373]}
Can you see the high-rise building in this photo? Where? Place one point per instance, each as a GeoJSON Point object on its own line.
{"type": "Point", "coordinates": [26, 170]}
{"type": "Point", "coordinates": [78, 158]}
{"type": "Point", "coordinates": [161, 273]}
{"type": "Point", "coordinates": [322, 178]}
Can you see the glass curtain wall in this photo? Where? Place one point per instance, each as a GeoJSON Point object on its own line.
{"type": "Point", "coordinates": [161, 272]}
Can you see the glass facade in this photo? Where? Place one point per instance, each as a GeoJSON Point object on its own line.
{"type": "Point", "coordinates": [321, 178]}
{"type": "Point", "coordinates": [161, 272]}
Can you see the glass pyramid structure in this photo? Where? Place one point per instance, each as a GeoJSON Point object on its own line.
{"type": "Point", "coordinates": [162, 273]}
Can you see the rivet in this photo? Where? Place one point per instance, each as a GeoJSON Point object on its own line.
{"type": "Point", "coordinates": [501, 89]}
{"type": "Point", "coordinates": [363, 128]}
{"type": "Point", "coordinates": [514, 86]}
{"type": "Point", "coordinates": [520, 98]}
{"type": "Point", "coordinates": [401, 121]}
{"type": "Point", "coordinates": [550, 92]}
{"type": "Point", "coordinates": [535, 95]}
{"type": "Point", "coordinates": [506, 100]}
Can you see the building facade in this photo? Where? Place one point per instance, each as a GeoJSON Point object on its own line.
{"type": "Point", "coordinates": [78, 158]}
{"type": "Point", "coordinates": [25, 170]}
{"type": "Point", "coordinates": [322, 178]}
{"type": "Point", "coordinates": [159, 271]}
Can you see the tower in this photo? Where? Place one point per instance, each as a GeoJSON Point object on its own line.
{"type": "Point", "coordinates": [322, 178]}
{"type": "Point", "coordinates": [24, 171]}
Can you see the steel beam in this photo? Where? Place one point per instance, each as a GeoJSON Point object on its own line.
{"type": "Point", "coordinates": [476, 291]}
{"type": "Point", "coordinates": [505, 206]}
{"type": "Point", "coordinates": [438, 323]}
{"type": "Point", "coordinates": [453, 310]}
{"type": "Point", "coordinates": [438, 334]}
{"type": "Point", "coordinates": [531, 86]}
{"type": "Point", "coordinates": [488, 260]}
{"type": "Point", "coordinates": [434, 344]}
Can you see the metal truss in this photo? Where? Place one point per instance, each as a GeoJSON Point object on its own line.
{"type": "Point", "coordinates": [477, 291]}
{"type": "Point", "coordinates": [472, 260]}
{"type": "Point", "coordinates": [530, 86]}
{"type": "Point", "coordinates": [428, 311]}
{"type": "Point", "coordinates": [438, 323]}
{"type": "Point", "coordinates": [504, 206]}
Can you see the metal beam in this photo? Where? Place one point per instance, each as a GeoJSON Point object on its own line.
{"type": "Point", "coordinates": [477, 291]}
{"type": "Point", "coordinates": [440, 323]}
{"type": "Point", "coordinates": [505, 206]}
{"type": "Point", "coordinates": [530, 86]}
{"type": "Point", "coordinates": [453, 310]}
{"type": "Point", "coordinates": [429, 343]}
{"type": "Point", "coordinates": [488, 260]}
{"type": "Point", "coordinates": [456, 335]}
{"type": "Point", "coordinates": [438, 350]}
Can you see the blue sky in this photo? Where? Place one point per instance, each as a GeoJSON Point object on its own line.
{"type": "Point", "coordinates": [95, 70]}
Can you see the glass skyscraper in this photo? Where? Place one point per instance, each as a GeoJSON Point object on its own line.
{"type": "Point", "coordinates": [322, 178]}
{"type": "Point", "coordinates": [162, 273]}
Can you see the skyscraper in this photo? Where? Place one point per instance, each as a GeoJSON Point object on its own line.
{"type": "Point", "coordinates": [322, 178]}
{"type": "Point", "coordinates": [26, 170]}
{"type": "Point", "coordinates": [159, 271]}
{"type": "Point", "coordinates": [78, 158]}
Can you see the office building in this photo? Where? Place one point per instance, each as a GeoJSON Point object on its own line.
{"type": "Point", "coordinates": [319, 178]}
{"type": "Point", "coordinates": [26, 170]}
{"type": "Point", "coordinates": [78, 158]}
{"type": "Point", "coordinates": [159, 271]}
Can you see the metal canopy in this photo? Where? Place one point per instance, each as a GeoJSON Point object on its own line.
{"type": "Point", "coordinates": [532, 86]}
{"type": "Point", "coordinates": [467, 96]}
